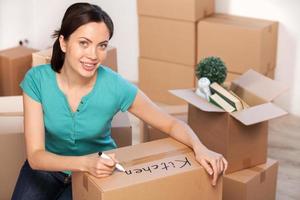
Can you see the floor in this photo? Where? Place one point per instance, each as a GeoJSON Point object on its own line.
{"type": "Point", "coordinates": [284, 146]}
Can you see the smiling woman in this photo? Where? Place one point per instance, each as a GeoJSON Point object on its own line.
{"type": "Point", "coordinates": [69, 105]}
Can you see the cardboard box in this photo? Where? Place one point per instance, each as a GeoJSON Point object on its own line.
{"type": "Point", "coordinates": [189, 10]}
{"type": "Point", "coordinates": [168, 40]}
{"type": "Point", "coordinates": [148, 133]}
{"type": "Point", "coordinates": [14, 63]}
{"type": "Point", "coordinates": [162, 169]}
{"type": "Point", "coordinates": [12, 153]}
{"type": "Point", "coordinates": [157, 77]}
{"type": "Point", "coordinates": [44, 57]}
{"type": "Point", "coordinates": [257, 183]}
{"type": "Point", "coordinates": [242, 43]}
{"type": "Point", "coordinates": [242, 136]}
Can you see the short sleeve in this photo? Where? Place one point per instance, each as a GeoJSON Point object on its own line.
{"type": "Point", "coordinates": [30, 85]}
{"type": "Point", "coordinates": [126, 92]}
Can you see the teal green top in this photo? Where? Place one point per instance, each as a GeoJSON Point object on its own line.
{"type": "Point", "coordinates": [88, 130]}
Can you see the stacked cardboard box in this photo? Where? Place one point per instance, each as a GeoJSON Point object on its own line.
{"type": "Point", "coordinates": [242, 136]}
{"type": "Point", "coordinates": [12, 146]}
{"type": "Point", "coordinates": [242, 43]}
{"type": "Point", "coordinates": [161, 169]}
{"type": "Point", "coordinates": [168, 32]}
{"type": "Point", "coordinates": [44, 57]}
{"type": "Point", "coordinates": [14, 63]}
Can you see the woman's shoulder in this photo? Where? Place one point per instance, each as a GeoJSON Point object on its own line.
{"type": "Point", "coordinates": [107, 72]}
{"type": "Point", "coordinates": [41, 72]}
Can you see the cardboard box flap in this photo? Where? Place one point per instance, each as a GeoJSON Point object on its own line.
{"type": "Point", "coordinates": [258, 113]}
{"type": "Point", "coordinates": [189, 96]}
{"type": "Point", "coordinates": [260, 85]}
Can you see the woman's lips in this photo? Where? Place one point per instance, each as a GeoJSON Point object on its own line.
{"type": "Point", "coordinates": [88, 66]}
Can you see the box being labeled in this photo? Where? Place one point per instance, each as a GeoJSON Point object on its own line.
{"type": "Point", "coordinates": [189, 10]}
{"type": "Point", "coordinates": [241, 42]}
{"type": "Point", "coordinates": [44, 57]}
{"type": "Point", "coordinates": [14, 63]}
{"type": "Point", "coordinates": [162, 169]}
{"type": "Point", "coordinates": [242, 136]}
{"type": "Point", "coordinates": [257, 183]}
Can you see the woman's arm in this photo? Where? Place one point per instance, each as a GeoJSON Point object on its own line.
{"type": "Point", "coordinates": [40, 159]}
{"type": "Point", "coordinates": [146, 110]}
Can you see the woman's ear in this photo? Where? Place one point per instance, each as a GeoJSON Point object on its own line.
{"type": "Point", "coordinates": [62, 43]}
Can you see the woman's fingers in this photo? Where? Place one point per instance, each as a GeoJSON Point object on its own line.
{"type": "Point", "coordinates": [207, 167]}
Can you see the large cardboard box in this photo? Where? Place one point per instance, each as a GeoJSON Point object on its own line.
{"type": "Point", "coordinates": [149, 133]}
{"type": "Point", "coordinates": [168, 40]}
{"type": "Point", "coordinates": [44, 57]}
{"type": "Point", "coordinates": [157, 77]}
{"type": "Point", "coordinates": [242, 43]}
{"type": "Point", "coordinates": [242, 136]}
{"type": "Point", "coordinates": [160, 170]}
{"type": "Point", "coordinates": [189, 10]}
{"type": "Point", "coordinates": [12, 153]}
{"type": "Point", "coordinates": [257, 183]}
{"type": "Point", "coordinates": [14, 63]}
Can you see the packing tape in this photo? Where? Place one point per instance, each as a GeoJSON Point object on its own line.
{"type": "Point", "coordinates": [156, 157]}
{"type": "Point", "coordinates": [261, 171]}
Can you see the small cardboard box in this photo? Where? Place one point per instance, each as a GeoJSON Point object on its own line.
{"type": "Point", "coordinates": [257, 183]}
{"type": "Point", "coordinates": [160, 170]}
{"type": "Point", "coordinates": [157, 77]}
{"type": "Point", "coordinates": [148, 133]}
{"type": "Point", "coordinates": [168, 40]}
{"type": "Point", "coordinates": [242, 136]}
{"type": "Point", "coordinates": [188, 10]}
{"type": "Point", "coordinates": [44, 57]}
{"type": "Point", "coordinates": [14, 63]}
{"type": "Point", "coordinates": [242, 43]}
{"type": "Point", "coordinates": [12, 153]}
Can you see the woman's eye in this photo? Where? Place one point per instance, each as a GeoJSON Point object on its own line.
{"type": "Point", "coordinates": [103, 46]}
{"type": "Point", "coordinates": [83, 43]}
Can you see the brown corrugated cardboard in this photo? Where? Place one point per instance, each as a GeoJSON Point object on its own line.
{"type": "Point", "coordinates": [190, 10]}
{"type": "Point", "coordinates": [14, 63]}
{"type": "Point", "coordinates": [148, 133]}
{"type": "Point", "coordinates": [240, 136]}
{"type": "Point", "coordinates": [168, 40]}
{"type": "Point", "coordinates": [257, 183]}
{"type": "Point", "coordinates": [162, 169]}
{"type": "Point", "coordinates": [44, 57]}
{"type": "Point", "coordinates": [232, 76]}
{"type": "Point", "coordinates": [242, 43]}
{"type": "Point", "coordinates": [12, 153]}
{"type": "Point", "coordinates": [157, 77]}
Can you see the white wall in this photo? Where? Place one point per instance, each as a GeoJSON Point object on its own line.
{"type": "Point", "coordinates": [288, 53]}
{"type": "Point", "coordinates": [36, 20]}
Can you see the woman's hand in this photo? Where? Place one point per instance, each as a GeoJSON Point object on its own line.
{"type": "Point", "coordinates": [214, 163]}
{"type": "Point", "coordinates": [100, 167]}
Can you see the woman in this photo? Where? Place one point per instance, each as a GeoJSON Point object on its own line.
{"type": "Point", "coordinates": [69, 105]}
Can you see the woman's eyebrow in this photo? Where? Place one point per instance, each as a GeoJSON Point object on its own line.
{"type": "Point", "coordinates": [105, 41]}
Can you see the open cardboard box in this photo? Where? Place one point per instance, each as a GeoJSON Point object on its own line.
{"type": "Point", "coordinates": [160, 170]}
{"type": "Point", "coordinates": [242, 136]}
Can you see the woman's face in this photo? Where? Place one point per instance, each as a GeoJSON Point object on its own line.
{"type": "Point", "coordinates": [86, 48]}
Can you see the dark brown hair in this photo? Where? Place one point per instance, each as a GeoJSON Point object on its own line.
{"type": "Point", "coordinates": [75, 16]}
